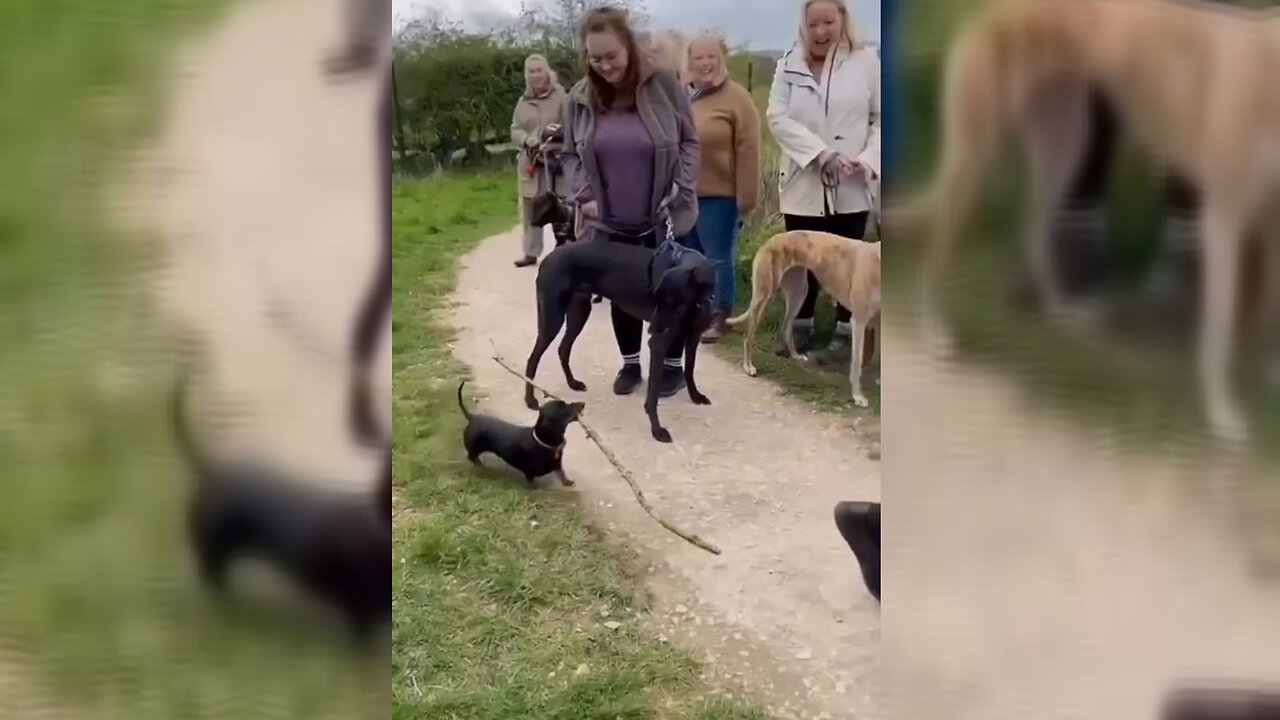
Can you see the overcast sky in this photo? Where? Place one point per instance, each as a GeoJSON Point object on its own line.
{"type": "Point", "coordinates": [765, 24]}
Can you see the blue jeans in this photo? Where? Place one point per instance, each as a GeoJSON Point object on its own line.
{"type": "Point", "coordinates": [717, 232]}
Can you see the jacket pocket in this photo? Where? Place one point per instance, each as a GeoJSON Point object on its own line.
{"type": "Point", "coordinates": [788, 172]}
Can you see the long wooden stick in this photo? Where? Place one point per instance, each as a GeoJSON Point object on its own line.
{"type": "Point", "coordinates": [613, 460]}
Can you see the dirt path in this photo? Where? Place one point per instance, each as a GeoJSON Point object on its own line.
{"type": "Point", "coordinates": [249, 189]}
{"type": "Point", "coordinates": [754, 473]}
{"type": "Point", "coordinates": [1105, 577]}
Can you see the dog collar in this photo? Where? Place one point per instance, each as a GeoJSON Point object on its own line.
{"type": "Point", "coordinates": [558, 449]}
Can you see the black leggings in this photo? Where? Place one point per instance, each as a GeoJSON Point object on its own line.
{"type": "Point", "coordinates": [628, 330]}
{"type": "Point", "coordinates": [1090, 185]}
{"type": "Point", "coordinates": [850, 225]}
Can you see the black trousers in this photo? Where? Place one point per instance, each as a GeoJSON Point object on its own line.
{"type": "Point", "coordinates": [1089, 188]}
{"type": "Point", "coordinates": [850, 225]}
{"type": "Point", "coordinates": [628, 330]}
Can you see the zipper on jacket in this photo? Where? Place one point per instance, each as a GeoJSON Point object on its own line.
{"type": "Point", "coordinates": [829, 209]}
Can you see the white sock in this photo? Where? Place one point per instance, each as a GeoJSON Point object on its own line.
{"type": "Point", "coordinates": [631, 360]}
{"type": "Point", "coordinates": [676, 364]}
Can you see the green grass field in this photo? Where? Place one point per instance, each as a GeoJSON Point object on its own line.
{"type": "Point", "coordinates": [1142, 391]}
{"type": "Point", "coordinates": [99, 610]}
{"type": "Point", "coordinates": [499, 594]}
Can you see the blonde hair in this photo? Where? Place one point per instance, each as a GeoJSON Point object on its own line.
{"type": "Point", "coordinates": [542, 60]}
{"type": "Point", "coordinates": [851, 40]}
{"type": "Point", "coordinates": [676, 43]}
{"type": "Point", "coordinates": [722, 46]}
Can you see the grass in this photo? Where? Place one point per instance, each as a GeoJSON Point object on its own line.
{"type": "Point", "coordinates": [499, 595]}
{"type": "Point", "coordinates": [97, 600]}
{"type": "Point", "coordinates": [1136, 390]}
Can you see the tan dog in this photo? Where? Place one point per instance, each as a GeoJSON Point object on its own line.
{"type": "Point", "coordinates": [847, 269]}
{"type": "Point", "coordinates": [1195, 85]}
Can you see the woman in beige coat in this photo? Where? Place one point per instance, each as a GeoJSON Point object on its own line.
{"type": "Point", "coordinates": [542, 104]}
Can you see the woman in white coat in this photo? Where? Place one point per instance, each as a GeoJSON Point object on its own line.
{"type": "Point", "coordinates": [824, 113]}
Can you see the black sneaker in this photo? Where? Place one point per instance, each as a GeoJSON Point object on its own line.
{"type": "Point", "coordinates": [672, 382]}
{"type": "Point", "coordinates": [526, 261]}
{"type": "Point", "coordinates": [628, 379]}
{"type": "Point", "coordinates": [803, 336]}
{"type": "Point", "coordinates": [838, 353]}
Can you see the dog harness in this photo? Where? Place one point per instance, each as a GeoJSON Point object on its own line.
{"type": "Point", "coordinates": [668, 256]}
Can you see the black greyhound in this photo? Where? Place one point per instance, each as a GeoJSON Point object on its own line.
{"type": "Point", "coordinates": [670, 287]}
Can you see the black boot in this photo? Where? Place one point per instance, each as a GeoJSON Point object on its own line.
{"type": "Point", "coordinates": [802, 333]}
{"type": "Point", "coordinates": [672, 381]}
{"type": "Point", "coordinates": [1172, 287]}
{"type": "Point", "coordinates": [1077, 248]}
{"type": "Point", "coordinates": [526, 261]}
{"type": "Point", "coordinates": [839, 352]}
{"type": "Point", "coordinates": [628, 379]}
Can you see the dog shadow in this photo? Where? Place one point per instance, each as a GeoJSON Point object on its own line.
{"type": "Point", "coordinates": [493, 468]}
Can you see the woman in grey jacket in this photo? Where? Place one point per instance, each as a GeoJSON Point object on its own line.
{"type": "Point", "coordinates": [631, 155]}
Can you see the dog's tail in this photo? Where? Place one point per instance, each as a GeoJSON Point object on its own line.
{"type": "Point", "coordinates": [462, 405]}
{"type": "Point", "coordinates": [190, 449]}
{"type": "Point", "coordinates": [762, 283]}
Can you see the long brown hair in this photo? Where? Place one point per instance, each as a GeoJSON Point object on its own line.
{"type": "Point", "coordinates": [611, 20]}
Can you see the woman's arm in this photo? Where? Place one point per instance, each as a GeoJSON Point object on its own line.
{"type": "Point", "coordinates": [690, 152]}
{"type": "Point", "coordinates": [579, 184]}
{"type": "Point", "coordinates": [870, 155]}
{"type": "Point", "coordinates": [519, 136]}
{"type": "Point", "coordinates": [746, 148]}
{"type": "Point", "coordinates": [797, 141]}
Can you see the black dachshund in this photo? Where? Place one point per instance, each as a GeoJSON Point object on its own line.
{"type": "Point", "coordinates": [335, 545]}
{"type": "Point", "coordinates": [534, 451]}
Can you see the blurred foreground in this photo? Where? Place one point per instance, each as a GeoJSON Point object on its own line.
{"type": "Point", "coordinates": [156, 189]}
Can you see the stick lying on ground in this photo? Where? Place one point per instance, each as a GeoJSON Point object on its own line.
{"type": "Point", "coordinates": [613, 460]}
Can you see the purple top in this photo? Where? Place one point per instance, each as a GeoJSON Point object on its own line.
{"type": "Point", "coordinates": [625, 156]}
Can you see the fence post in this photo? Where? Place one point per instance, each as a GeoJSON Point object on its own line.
{"type": "Point", "coordinates": [395, 100]}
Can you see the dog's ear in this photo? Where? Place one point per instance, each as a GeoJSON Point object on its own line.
{"type": "Point", "coordinates": [577, 408]}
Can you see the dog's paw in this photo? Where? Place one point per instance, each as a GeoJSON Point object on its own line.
{"type": "Point", "coordinates": [531, 402]}
{"type": "Point", "coordinates": [662, 435]}
{"type": "Point", "coordinates": [860, 400]}
{"type": "Point", "coordinates": [801, 357]}
{"type": "Point", "coordinates": [577, 386]}
{"type": "Point", "coordinates": [750, 370]}
{"type": "Point", "coordinates": [699, 399]}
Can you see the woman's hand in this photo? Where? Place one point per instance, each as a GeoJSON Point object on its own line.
{"type": "Point", "coordinates": [849, 168]}
{"type": "Point", "coordinates": [591, 210]}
